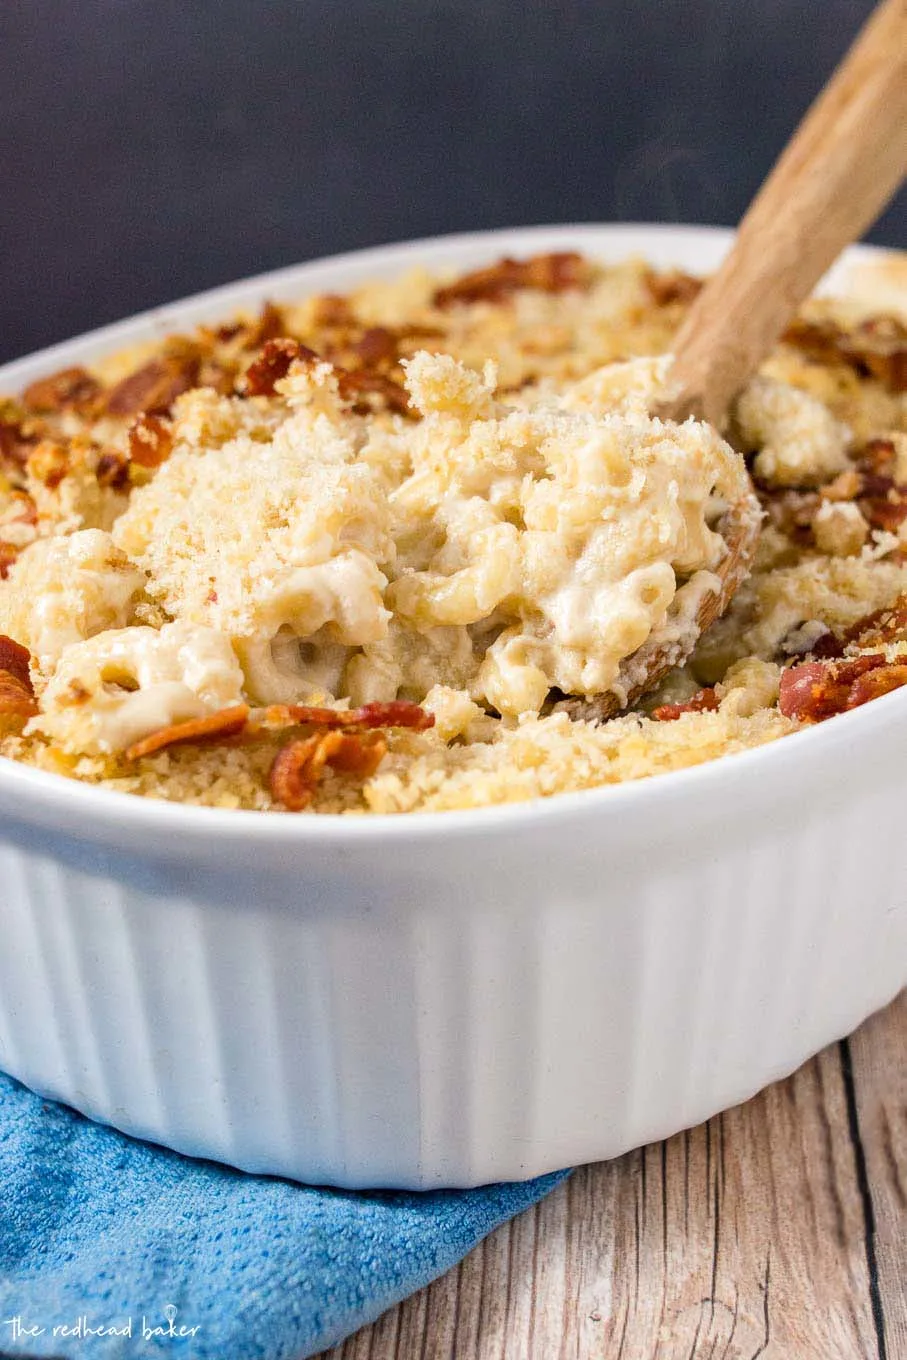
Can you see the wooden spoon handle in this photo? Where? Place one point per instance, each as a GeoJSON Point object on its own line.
{"type": "Point", "coordinates": [845, 161]}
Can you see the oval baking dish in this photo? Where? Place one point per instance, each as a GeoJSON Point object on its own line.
{"type": "Point", "coordinates": [448, 998]}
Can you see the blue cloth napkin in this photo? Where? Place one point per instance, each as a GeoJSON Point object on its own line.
{"type": "Point", "coordinates": [99, 1231]}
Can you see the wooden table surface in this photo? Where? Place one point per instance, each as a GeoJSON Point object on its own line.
{"type": "Point", "coordinates": [777, 1230]}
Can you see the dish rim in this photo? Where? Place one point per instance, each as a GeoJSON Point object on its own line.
{"type": "Point", "coordinates": [100, 811]}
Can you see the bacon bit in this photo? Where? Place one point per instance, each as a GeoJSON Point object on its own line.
{"type": "Point", "coordinates": [703, 701]}
{"type": "Point", "coordinates": [154, 387]}
{"type": "Point", "coordinates": [17, 695]}
{"type": "Point", "coordinates": [878, 456]}
{"type": "Point", "coordinates": [790, 511]}
{"type": "Point", "coordinates": [880, 345]}
{"type": "Point", "coordinates": [15, 659]}
{"type": "Point", "coordinates": [673, 286]}
{"type": "Point", "coordinates": [18, 436]}
{"type": "Point", "coordinates": [397, 713]}
{"type": "Point", "coordinates": [113, 471]}
{"type": "Point", "coordinates": [886, 512]}
{"type": "Point", "coordinates": [876, 348]}
{"type": "Point", "coordinates": [150, 441]}
{"type": "Point", "coordinates": [273, 364]}
{"type": "Point", "coordinates": [551, 273]}
{"type": "Point", "coordinates": [820, 689]}
{"type": "Point", "coordinates": [269, 326]}
{"type": "Point", "coordinates": [333, 309]}
{"type": "Point", "coordinates": [377, 345]}
{"type": "Point", "coordinates": [230, 332]}
{"type": "Point", "coordinates": [298, 767]}
{"type": "Point", "coordinates": [72, 387]}
{"type": "Point", "coordinates": [355, 385]}
{"type": "Point", "coordinates": [883, 625]}
{"type": "Point", "coordinates": [8, 555]}
{"type": "Point", "coordinates": [16, 702]}
{"type": "Point", "coordinates": [226, 722]}
{"type": "Point", "coordinates": [881, 499]}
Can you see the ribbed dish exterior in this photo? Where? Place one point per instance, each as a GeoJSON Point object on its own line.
{"type": "Point", "coordinates": [473, 1011]}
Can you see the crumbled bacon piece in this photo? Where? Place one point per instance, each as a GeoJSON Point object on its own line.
{"type": "Point", "coordinates": [72, 387]}
{"type": "Point", "coordinates": [269, 326]}
{"type": "Point", "coordinates": [226, 722]}
{"type": "Point", "coordinates": [673, 286]}
{"type": "Point", "coordinates": [789, 510]}
{"type": "Point", "coordinates": [377, 345]}
{"type": "Point", "coordinates": [552, 273]}
{"type": "Point", "coordinates": [886, 512]}
{"type": "Point", "coordinates": [8, 555]}
{"type": "Point", "coordinates": [273, 364]}
{"type": "Point", "coordinates": [883, 625]}
{"type": "Point", "coordinates": [17, 439]}
{"type": "Point", "coordinates": [876, 348]}
{"type": "Point", "coordinates": [15, 659]}
{"type": "Point", "coordinates": [297, 768]}
{"type": "Point", "coordinates": [17, 695]}
{"type": "Point", "coordinates": [113, 470]}
{"type": "Point", "coordinates": [150, 441]}
{"type": "Point", "coordinates": [703, 701]}
{"type": "Point", "coordinates": [356, 385]}
{"type": "Point", "coordinates": [333, 309]}
{"type": "Point", "coordinates": [818, 690]}
{"type": "Point", "coordinates": [878, 456]}
{"type": "Point", "coordinates": [396, 713]}
{"type": "Point", "coordinates": [154, 387]}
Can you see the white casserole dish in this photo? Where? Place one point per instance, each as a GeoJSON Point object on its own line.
{"type": "Point", "coordinates": [453, 998]}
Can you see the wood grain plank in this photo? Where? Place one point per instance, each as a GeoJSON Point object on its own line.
{"type": "Point", "coordinates": [744, 1238]}
{"type": "Point", "coordinates": [879, 1072]}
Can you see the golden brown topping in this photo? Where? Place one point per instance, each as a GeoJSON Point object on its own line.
{"type": "Point", "coordinates": [72, 387]}
{"type": "Point", "coordinates": [48, 462]}
{"type": "Point", "coordinates": [876, 348]}
{"type": "Point", "coordinates": [820, 689]}
{"type": "Point", "coordinates": [703, 701]}
{"type": "Point", "coordinates": [155, 386]}
{"type": "Point", "coordinates": [396, 713]}
{"type": "Point", "coordinates": [672, 286]}
{"type": "Point", "coordinates": [884, 625]}
{"type": "Point", "coordinates": [552, 273]}
{"type": "Point", "coordinates": [332, 309]}
{"type": "Point", "coordinates": [298, 767]}
{"type": "Point", "coordinates": [17, 696]}
{"type": "Point", "coordinates": [226, 722]}
{"type": "Point", "coordinates": [273, 364]}
{"type": "Point", "coordinates": [150, 441]}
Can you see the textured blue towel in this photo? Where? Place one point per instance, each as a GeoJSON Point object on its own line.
{"type": "Point", "coordinates": [99, 1229]}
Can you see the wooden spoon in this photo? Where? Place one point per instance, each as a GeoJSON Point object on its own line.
{"type": "Point", "coordinates": [844, 163]}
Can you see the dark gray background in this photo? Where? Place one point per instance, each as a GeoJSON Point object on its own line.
{"type": "Point", "coordinates": [154, 147]}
